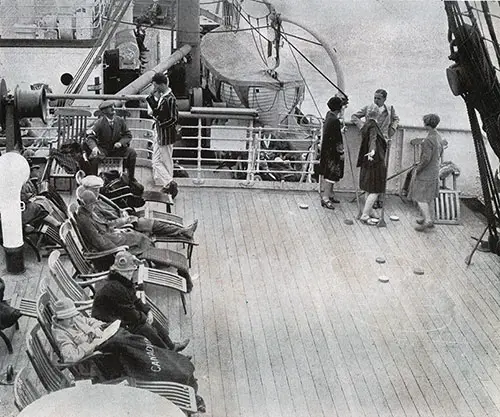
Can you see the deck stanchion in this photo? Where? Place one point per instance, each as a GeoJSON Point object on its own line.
{"type": "Point", "coordinates": [198, 179]}
{"type": "Point", "coordinates": [251, 151]}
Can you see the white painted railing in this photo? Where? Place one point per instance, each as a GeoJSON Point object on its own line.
{"type": "Point", "coordinates": [234, 151]}
{"type": "Point", "coordinates": [53, 20]}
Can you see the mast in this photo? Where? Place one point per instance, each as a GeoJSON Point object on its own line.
{"type": "Point", "coordinates": [188, 33]}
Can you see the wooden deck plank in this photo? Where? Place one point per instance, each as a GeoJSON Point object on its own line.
{"type": "Point", "coordinates": [262, 322]}
{"type": "Point", "coordinates": [361, 377]}
{"type": "Point", "coordinates": [367, 268]}
{"type": "Point", "coordinates": [287, 316]}
{"type": "Point", "coordinates": [435, 314]}
{"type": "Point", "coordinates": [461, 334]}
{"type": "Point", "coordinates": [306, 300]}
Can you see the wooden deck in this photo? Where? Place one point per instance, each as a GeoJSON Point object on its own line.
{"type": "Point", "coordinates": [288, 318]}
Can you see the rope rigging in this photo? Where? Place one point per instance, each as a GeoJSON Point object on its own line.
{"type": "Point", "coordinates": [473, 77]}
{"type": "Point", "coordinates": [300, 53]}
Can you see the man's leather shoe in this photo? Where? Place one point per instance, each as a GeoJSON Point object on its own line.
{"type": "Point", "coordinates": [180, 346]}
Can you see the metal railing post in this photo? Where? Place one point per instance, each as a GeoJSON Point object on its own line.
{"type": "Point", "coordinates": [198, 179]}
{"type": "Point", "coordinates": [251, 153]}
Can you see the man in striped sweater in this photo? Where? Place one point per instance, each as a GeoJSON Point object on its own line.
{"type": "Point", "coordinates": [163, 107]}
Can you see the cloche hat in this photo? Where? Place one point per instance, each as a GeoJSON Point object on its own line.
{"type": "Point", "coordinates": [125, 264]}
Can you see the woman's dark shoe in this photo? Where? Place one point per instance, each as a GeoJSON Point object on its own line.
{"type": "Point", "coordinates": [334, 200]}
{"type": "Point", "coordinates": [200, 404]}
{"type": "Point", "coordinates": [327, 204]}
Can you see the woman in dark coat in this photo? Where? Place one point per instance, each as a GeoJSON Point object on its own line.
{"type": "Point", "coordinates": [371, 160]}
{"type": "Point", "coordinates": [425, 185]}
{"type": "Point", "coordinates": [331, 163]}
{"type": "Point", "coordinates": [117, 300]}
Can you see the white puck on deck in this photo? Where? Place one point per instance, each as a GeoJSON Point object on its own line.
{"type": "Point", "coordinates": [394, 218]}
{"type": "Point", "coordinates": [304, 206]}
{"type": "Point", "coordinates": [383, 278]}
{"type": "Point", "coordinates": [348, 222]}
{"type": "Point", "coordinates": [380, 260]}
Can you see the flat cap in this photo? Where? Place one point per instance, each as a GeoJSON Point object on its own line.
{"type": "Point", "coordinates": [92, 181]}
{"type": "Point", "coordinates": [105, 104]}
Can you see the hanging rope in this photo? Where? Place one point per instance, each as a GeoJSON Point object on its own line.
{"type": "Point", "coordinates": [303, 79]}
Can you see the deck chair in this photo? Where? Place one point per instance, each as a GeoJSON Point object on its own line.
{"type": "Point", "coordinates": [148, 196]}
{"type": "Point", "coordinates": [74, 290]}
{"type": "Point", "coordinates": [66, 283]}
{"type": "Point", "coordinates": [159, 256]}
{"type": "Point", "coordinates": [186, 242]}
{"type": "Point", "coordinates": [86, 368]}
{"type": "Point", "coordinates": [447, 203]}
{"type": "Point", "coordinates": [71, 127]}
{"type": "Point", "coordinates": [183, 396]}
{"type": "Point", "coordinates": [52, 378]}
{"type": "Point", "coordinates": [24, 390]}
{"type": "Point", "coordinates": [83, 264]}
{"type": "Point", "coordinates": [111, 164]}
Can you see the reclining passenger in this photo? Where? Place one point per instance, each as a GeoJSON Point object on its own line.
{"type": "Point", "coordinates": [37, 208]}
{"type": "Point", "coordinates": [117, 300]}
{"type": "Point", "coordinates": [78, 336]}
{"type": "Point", "coordinates": [100, 236]}
{"type": "Point", "coordinates": [118, 218]}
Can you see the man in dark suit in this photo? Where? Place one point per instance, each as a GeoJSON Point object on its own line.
{"type": "Point", "coordinates": [163, 107]}
{"type": "Point", "coordinates": [110, 137]}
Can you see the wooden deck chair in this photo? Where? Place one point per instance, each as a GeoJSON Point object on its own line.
{"type": "Point", "coordinates": [183, 396]}
{"type": "Point", "coordinates": [71, 127]}
{"type": "Point", "coordinates": [52, 378]}
{"type": "Point", "coordinates": [66, 282]}
{"type": "Point", "coordinates": [111, 164]}
{"type": "Point", "coordinates": [85, 368]}
{"type": "Point", "coordinates": [158, 256]}
{"type": "Point", "coordinates": [74, 290]}
{"type": "Point", "coordinates": [447, 203]}
{"type": "Point", "coordinates": [85, 269]}
{"type": "Point", "coordinates": [148, 196]}
{"type": "Point", "coordinates": [24, 390]}
{"type": "Point", "coordinates": [186, 242]}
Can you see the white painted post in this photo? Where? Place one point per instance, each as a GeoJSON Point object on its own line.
{"type": "Point", "coordinates": [14, 171]}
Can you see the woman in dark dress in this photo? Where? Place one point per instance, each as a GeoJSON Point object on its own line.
{"type": "Point", "coordinates": [331, 164]}
{"type": "Point", "coordinates": [371, 160]}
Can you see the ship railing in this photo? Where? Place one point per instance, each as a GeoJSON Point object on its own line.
{"type": "Point", "coordinates": [224, 146]}
{"type": "Point", "coordinates": [54, 21]}
{"type": "Point", "coordinates": [219, 146]}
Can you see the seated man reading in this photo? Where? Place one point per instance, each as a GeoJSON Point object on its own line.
{"type": "Point", "coordinates": [78, 336]}
{"type": "Point", "coordinates": [110, 137]}
{"type": "Point", "coordinates": [117, 218]}
{"type": "Point", "coordinates": [117, 300]}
